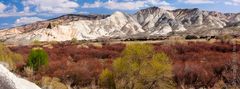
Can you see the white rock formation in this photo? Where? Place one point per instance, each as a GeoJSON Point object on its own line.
{"type": "Point", "coordinates": [10, 81]}
{"type": "Point", "coordinates": [118, 24]}
{"type": "Point", "coordinates": [157, 21]}
{"type": "Point", "coordinates": [152, 21]}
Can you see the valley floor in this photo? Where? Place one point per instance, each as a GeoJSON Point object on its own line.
{"type": "Point", "coordinates": [196, 63]}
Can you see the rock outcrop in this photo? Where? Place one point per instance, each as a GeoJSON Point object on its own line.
{"type": "Point", "coordinates": [10, 81]}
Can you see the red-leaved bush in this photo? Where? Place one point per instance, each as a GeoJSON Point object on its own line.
{"type": "Point", "coordinates": [195, 64]}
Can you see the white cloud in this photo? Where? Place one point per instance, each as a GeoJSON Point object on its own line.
{"type": "Point", "coordinates": [93, 5]}
{"type": "Point", "coordinates": [126, 4]}
{"type": "Point", "coordinates": [51, 6]}
{"type": "Point", "coordinates": [2, 7]}
{"type": "Point", "coordinates": [232, 2]}
{"type": "Point", "coordinates": [197, 1]}
{"type": "Point", "coordinates": [164, 3]}
{"type": "Point", "coordinates": [166, 7]}
{"type": "Point", "coordinates": [11, 14]}
{"type": "Point", "coordinates": [157, 2]}
{"type": "Point", "coordinates": [27, 20]}
{"type": "Point", "coordinates": [39, 7]}
{"type": "Point", "coordinates": [11, 10]}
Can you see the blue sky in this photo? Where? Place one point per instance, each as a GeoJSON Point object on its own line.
{"type": "Point", "coordinates": [19, 12]}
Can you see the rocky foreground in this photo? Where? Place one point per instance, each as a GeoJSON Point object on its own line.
{"type": "Point", "coordinates": [10, 81]}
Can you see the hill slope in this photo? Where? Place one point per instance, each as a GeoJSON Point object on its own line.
{"type": "Point", "coordinates": [152, 21]}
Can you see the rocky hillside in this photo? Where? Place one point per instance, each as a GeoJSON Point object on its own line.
{"type": "Point", "coordinates": [152, 21]}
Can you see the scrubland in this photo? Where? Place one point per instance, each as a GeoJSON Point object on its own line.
{"type": "Point", "coordinates": [163, 65]}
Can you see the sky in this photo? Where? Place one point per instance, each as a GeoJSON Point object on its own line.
{"type": "Point", "coordinates": [19, 12]}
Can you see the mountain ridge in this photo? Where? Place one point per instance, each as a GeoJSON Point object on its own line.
{"type": "Point", "coordinates": [151, 21]}
{"type": "Point", "coordinates": [87, 15]}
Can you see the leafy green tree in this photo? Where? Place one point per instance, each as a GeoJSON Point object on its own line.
{"type": "Point", "coordinates": [106, 79]}
{"type": "Point", "coordinates": [37, 58]}
{"type": "Point", "coordinates": [141, 68]}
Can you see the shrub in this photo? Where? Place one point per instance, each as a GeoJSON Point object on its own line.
{"type": "Point", "coordinates": [37, 58]}
{"type": "Point", "coordinates": [82, 73]}
{"type": "Point", "coordinates": [119, 47]}
{"type": "Point", "coordinates": [138, 52]}
{"type": "Point", "coordinates": [220, 85]}
{"type": "Point", "coordinates": [36, 42]}
{"type": "Point", "coordinates": [52, 83]}
{"type": "Point", "coordinates": [74, 40]}
{"type": "Point", "coordinates": [225, 38]}
{"type": "Point", "coordinates": [173, 40]}
{"type": "Point", "coordinates": [106, 79]}
{"type": "Point", "coordinates": [9, 57]}
{"type": "Point", "coordinates": [141, 68]}
{"type": "Point", "coordinates": [28, 71]}
{"type": "Point", "coordinates": [189, 37]}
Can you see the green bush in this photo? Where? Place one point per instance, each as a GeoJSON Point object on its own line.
{"type": "Point", "coordinates": [141, 68]}
{"type": "Point", "coordinates": [37, 58]}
